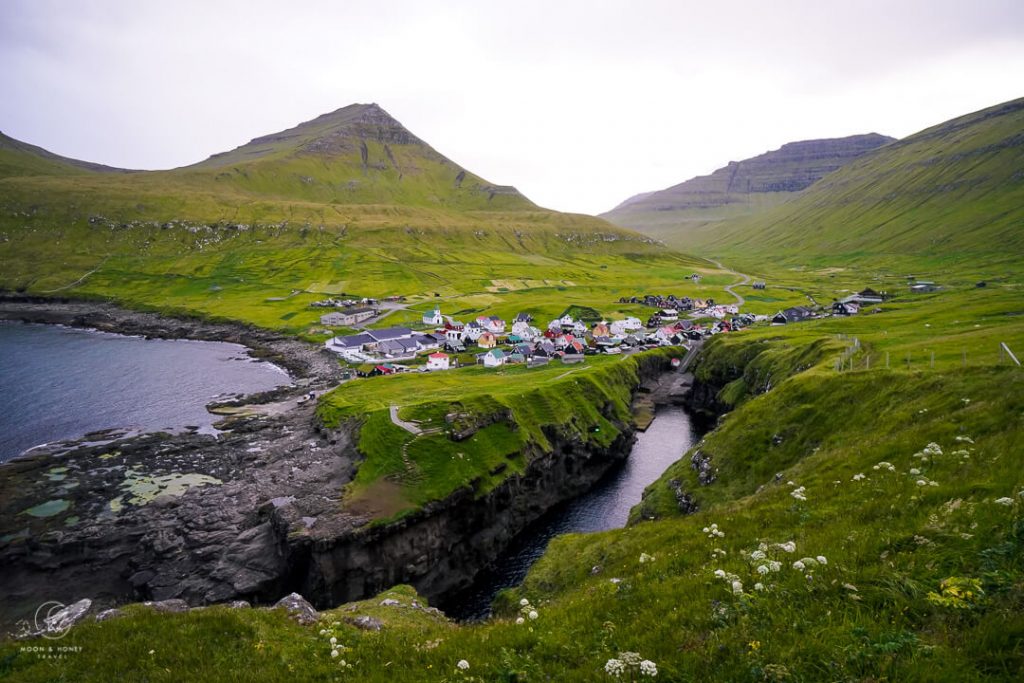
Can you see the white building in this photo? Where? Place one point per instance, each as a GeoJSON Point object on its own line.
{"type": "Point", "coordinates": [438, 361]}
{"type": "Point", "coordinates": [433, 317]}
{"type": "Point", "coordinates": [494, 358]}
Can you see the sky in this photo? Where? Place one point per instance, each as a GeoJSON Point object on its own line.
{"type": "Point", "coordinates": [578, 104]}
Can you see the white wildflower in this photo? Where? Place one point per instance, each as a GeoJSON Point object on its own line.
{"type": "Point", "coordinates": [463, 665]}
{"type": "Point", "coordinates": [520, 620]}
{"type": "Point", "coordinates": [922, 482]}
{"type": "Point", "coordinates": [775, 565]}
{"type": "Point", "coordinates": [822, 559]}
{"type": "Point", "coordinates": [524, 602]}
{"type": "Point", "coordinates": [323, 632]}
{"type": "Point", "coordinates": [334, 653]}
{"type": "Point", "coordinates": [859, 477]}
{"type": "Point", "coordinates": [631, 659]}
{"type": "Point", "coordinates": [759, 586]}
{"type": "Point", "coordinates": [762, 570]}
{"type": "Point", "coordinates": [533, 614]}
{"type": "Point", "coordinates": [758, 555]}
{"type": "Point", "coordinates": [799, 565]}
{"type": "Point", "coordinates": [1003, 501]}
{"type": "Point", "coordinates": [644, 558]}
{"type": "Point", "coordinates": [737, 587]}
{"type": "Point", "coordinates": [615, 580]}
{"type": "Point", "coordinates": [914, 471]}
{"type": "Point", "coordinates": [788, 546]}
{"type": "Point", "coordinates": [964, 439]}
{"type": "Point", "coordinates": [334, 641]}
{"type": "Point", "coordinates": [614, 667]}
{"type": "Point", "coordinates": [648, 668]}
{"type": "Point", "coordinates": [799, 493]}
{"type": "Point", "coordinates": [720, 573]}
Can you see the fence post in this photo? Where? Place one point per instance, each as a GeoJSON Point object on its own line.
{"type": "Point", "coordinates": [886, 360]}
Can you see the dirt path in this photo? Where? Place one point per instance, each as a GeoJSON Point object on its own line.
{"type": "Point", "coordinates": [745, 279]}
{"type": "Point", "coordinates": [407, 426]}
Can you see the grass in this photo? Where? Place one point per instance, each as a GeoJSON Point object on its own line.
{"type": "Point", "coordinates": [921, 582]}
{"type": "Point", "coordinates": [481, 425]}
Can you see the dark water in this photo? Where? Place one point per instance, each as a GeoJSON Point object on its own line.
{"type": "Point", "coordinates": [606, 506]}
{"type": "Point", "coordinates": [60, 383]}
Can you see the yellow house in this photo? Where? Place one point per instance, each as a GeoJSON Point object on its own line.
{"type": "Point", "coordinates": [487, 341]}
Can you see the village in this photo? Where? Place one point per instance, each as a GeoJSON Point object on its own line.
{"type": "Point", "coordinates": [443, 343]}
{"type": "Point", "coordinates": [488, 340]}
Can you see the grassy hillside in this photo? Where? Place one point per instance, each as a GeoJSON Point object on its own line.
{"type": "Point", "coordinates": [951, 195]}
{"type": "Point", "coordinates": [350, 202]}
{"type": "Point", "coordinates": [906, 563]}
{"type": "Point", "coordinates": [506, 411]}
{"type": "Point", "coordinates": [740, 188]}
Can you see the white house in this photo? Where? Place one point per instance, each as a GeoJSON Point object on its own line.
{"type": "Point", "coordinates": [473, 331]}
{"type": "Point", "coordinates": [669, 314]}
{"type": "Point", "coordinates": [494, 358]}
{"type": "Point", "coordinates": [524, 331]}
{"type": "Point", "coordinates": [438, 361]}
{"type": "Point", "coordinates": [454, 333]}
{"type": "Point", "coordinates": [566, 320]}
{"type": "Point", "coordinates": [555, 325]}
{"type": "Point", "coordinates": [579, 328]}
{"type": "Point", "coordinates": [494, 325]}
{"type": "Point", "coordinates": [433, 317]}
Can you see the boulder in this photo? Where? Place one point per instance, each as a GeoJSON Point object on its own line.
{"type": "Point", "coordinates": [366, 623]}
{"type": "Point", "coordinates": [298, 609]}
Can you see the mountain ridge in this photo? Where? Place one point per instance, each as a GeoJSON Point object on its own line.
{"type": "Point", "coordinates": [741, 187]}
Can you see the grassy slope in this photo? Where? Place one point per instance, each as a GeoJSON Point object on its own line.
{"type": "Point", "coordinates": [877, 610]}
{"type": "Point", "coordinates": [301, 215]}
{"type": "Point", "coordinates": [949, 196]}
{"type": "Point", "coordinates": [514, 404]}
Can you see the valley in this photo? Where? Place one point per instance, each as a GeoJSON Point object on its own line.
{"type": "Point", "coordinates": [853, 514]}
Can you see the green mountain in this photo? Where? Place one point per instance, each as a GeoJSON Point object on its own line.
{"type": "Point", "coordinates": [19, 158]}
{"type": "Point", "coordinates": [740, 188]}
{"type": "Point", "coordinates": [953, 192]}
{"type": "Point", "coordinates": [351, 201]}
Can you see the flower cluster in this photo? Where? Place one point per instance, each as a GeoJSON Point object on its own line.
{"type": "Point", "coordinates": [859, 477]}
{"type": "Point", "coordinates": [336, 647]}
{"type": "Point", "coordinates": [928, 452]}
{"type": "Point", "coordinates": [630, 662]}
{"type": "Point", "coordinates": [713, 531]}
{"type": "Point", "coordinates": [462, 665]}
{"type": "Point", "coordinates": [925, 481]}
{"type": "Point", "coordinates": [1004, 501]}
{"type": "Point", "coordinates": [799, 493]}
{"type": "Point", "coordinates": [645, 558]}
{"type": "Point", "coordinates": [527, 611]}
{"type": "Point", "coordinates": [884, 466]}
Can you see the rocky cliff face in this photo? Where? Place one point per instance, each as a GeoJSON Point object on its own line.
{"type": "Point", "coordinates": [791, 168]}
{"type": "Point", "coordinates": [741, 188]}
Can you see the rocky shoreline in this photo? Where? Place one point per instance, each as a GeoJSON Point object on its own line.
{"type": "Point", "coordinates": [254, 513]}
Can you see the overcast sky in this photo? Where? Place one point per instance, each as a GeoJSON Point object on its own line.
{"type": "Point", "coordinates": [578, 104]}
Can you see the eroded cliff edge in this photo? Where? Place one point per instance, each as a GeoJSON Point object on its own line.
{"type": "Point", "coordinates": [259, 512]}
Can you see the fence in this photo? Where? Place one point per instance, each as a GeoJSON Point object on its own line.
{"type": "Point", "coordinates": [857, 358]}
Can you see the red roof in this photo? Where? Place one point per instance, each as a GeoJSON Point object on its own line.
{"type": "Point", "coordinates": [438, 355]}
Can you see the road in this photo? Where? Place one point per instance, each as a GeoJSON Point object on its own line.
{"type": "Point", "coordinates": [729, 288]}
